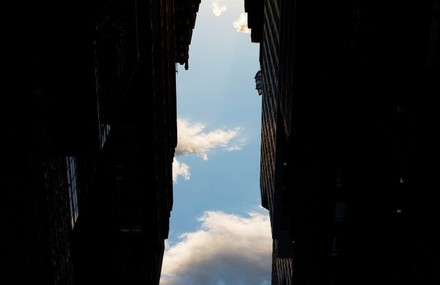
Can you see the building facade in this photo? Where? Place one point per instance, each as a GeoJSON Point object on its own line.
{"type": "Point", "coordinates": [90, 139]}
{"type": "Point", "coordinates": [346, 138]}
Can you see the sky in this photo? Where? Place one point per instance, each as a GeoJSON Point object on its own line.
{"type": "Point", "coordinates": [219, 233]}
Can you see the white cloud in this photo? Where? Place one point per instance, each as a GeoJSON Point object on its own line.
{"type": "Point", "coordinates": [227, 249]}
{"type": "Point", "coordinates": [241, 24]}
{"type": "Point", "coordinates": [218, 8]}
{"type": "Point", "coordinates": [193, 140]}
{"type": "Point", "coordinates": [180, 169]}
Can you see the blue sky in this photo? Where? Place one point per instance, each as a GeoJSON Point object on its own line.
{"type": "Point", "coordinates": [219, 234]}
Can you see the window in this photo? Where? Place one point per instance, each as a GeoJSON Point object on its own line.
{"type": "Point", "coordinates": [335, 249]}
{"type": "Point", "coordinates": [259, 82]}
{"type": "Point", "coordinates": [340, 211]}
{"type": "Point", "coordinates": [104, 130]}
{"type": "Point", "coordinates": [72, 187]}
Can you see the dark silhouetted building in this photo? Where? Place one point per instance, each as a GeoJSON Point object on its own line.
{"type": "Point", "coordinates": [89, 139]}
{"type": "Point", "coordinates": [348, 143]}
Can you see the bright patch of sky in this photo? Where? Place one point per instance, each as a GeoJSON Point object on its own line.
{"type": "Point", "coordinates": [192, 139]}
{"type": "Point", "coordinates": [219, 234]}
{"type": "Point", "coordinates": [241, 24]}
{"type": "Point", "coordinates": [218, 8]}
{"type": "Point", "coordinates": [226, 249]}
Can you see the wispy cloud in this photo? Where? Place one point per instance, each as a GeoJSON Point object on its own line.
{"type": "Point", "coordinates": [180, 169]}
{"type": "Point", "coordinates": [218, 8]}
{"type": "Point", "coordinates": [227, 249]}
{"type": "Point", "coordinates": [241, 24]}
{"type": "Point", "coordinates": [192, 139]}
